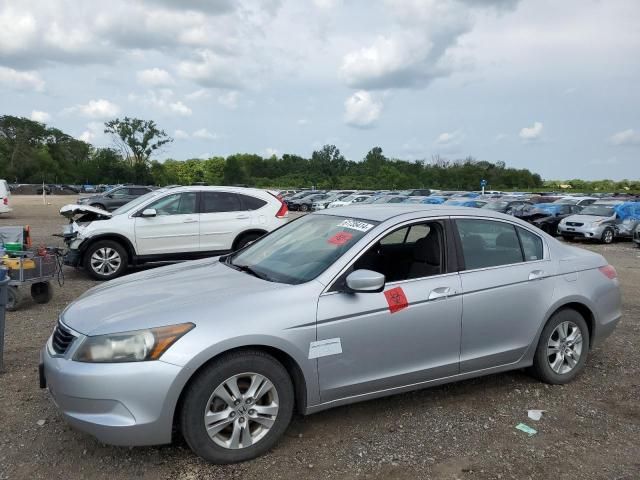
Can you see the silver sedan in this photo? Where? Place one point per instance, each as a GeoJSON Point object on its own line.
{"type": "Point", "coordinates": [335, 307]}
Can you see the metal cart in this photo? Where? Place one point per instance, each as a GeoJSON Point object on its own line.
{"type": "Point", "coordinates": [28, 268]}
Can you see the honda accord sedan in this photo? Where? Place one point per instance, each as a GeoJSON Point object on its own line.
{"type": "Point", "coordinates": [335, 307]}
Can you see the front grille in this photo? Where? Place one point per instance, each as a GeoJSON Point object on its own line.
{"type": "Point", "coordinates": [62, 339]}
{"type": "Point", "coordinates": [575, 224]}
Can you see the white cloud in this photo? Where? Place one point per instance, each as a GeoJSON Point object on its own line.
{"type": "Point", "coordinates": [198, 95]}
{"type": "Point", "coordinates": [180, 134]}
{"type": "Point", "coordinates": [94, 131]}
{"type": "Point", "coordinates": [270, 152]}
{"type": "Point", "coordinates": [155, 77]}
{"type": "Point", "coordinates": [99, 109]}
{"type": "Point", "coordinates": [213, 70]}
{"type": "Point", "coordinates": [86, 136]}
{"type": "Point", "coordinates": [303, 121]}
{"type": "Point", "coordinates": [532, 133]}
{"type": "Point", "coordinates": [229, 100]}
{"type": "Point", "coordinates": [625, 137]}
{"type": "Point", "coordinates": [449, 139]}
{"type": "Point", "coordinates": [17, 80]}
{"type": "Point", "coordinates": [361, 110]}
{"type": "Point", "coordinates": [204, 134]}
{"type": "Point", "coordinates": [180, 108]}
{"type": "Point", "coordinates": [40, 116]}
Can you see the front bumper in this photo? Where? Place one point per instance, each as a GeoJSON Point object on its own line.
{"type": "Point", "coordinates": [585, 231]}
{"type": "Point", "coordinates": [118, 403]}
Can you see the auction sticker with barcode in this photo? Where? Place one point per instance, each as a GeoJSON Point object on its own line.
{"type": "Point", "coordinates": [356, 225]}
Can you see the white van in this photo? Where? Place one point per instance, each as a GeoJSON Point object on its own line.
{"type": "Point", "coordinates": [5, 197]}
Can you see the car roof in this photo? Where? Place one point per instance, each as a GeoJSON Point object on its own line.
{"type": "Point", "coordinates": [383, 212]}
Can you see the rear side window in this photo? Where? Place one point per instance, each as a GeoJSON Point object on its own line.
{"type": "Point", "coordinates": [251, 203]}
{"type": "Point", "coordinates": [138, 191]}
{"type": "Point", "coordinates": [531, 245]}
{"type": "Point", "coordinates": [217, 202]}
{"type": "Point", "coordinates": [486, 243]}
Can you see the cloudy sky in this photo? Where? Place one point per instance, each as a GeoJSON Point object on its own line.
{"type": "Point", "coordinates": [550, 85]}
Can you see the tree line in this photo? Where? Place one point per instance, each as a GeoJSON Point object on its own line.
{"type": "Point", "coordinates": [31, 152]}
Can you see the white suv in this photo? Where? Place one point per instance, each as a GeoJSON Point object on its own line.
{"type": "Point", "coordinates": [168, 224]}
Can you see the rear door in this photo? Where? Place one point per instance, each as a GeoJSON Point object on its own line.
{"type": "Point", "coordinates": [174, 229]}
{"type": "Point", "coordinates": [507, 288]}
{"type": "Point", "coordinates": [222, 218]}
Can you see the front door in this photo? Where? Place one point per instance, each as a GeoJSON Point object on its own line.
{"type": "Point", "coordinates": [174, 229]}
{"type": "Point", "coordinates": [408, 334]}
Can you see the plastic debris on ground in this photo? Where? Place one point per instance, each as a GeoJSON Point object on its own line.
{"type": "Point", "coordinates": [535, 414]}
{"type": "Point", "coordinates": [526, 429]}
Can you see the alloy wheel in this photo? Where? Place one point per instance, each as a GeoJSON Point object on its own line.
{"type": "Point", "coordinates": [241, 410]}
{"type": "Point", "coordinates": [564, 347]}
{"type": "Point", "coordinates": [607, 237]}
{"type": "Point", "coordinates": [105, 261]}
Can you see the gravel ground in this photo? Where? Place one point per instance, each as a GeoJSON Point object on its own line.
{"type": "Point", "coordinates": [466, 430]}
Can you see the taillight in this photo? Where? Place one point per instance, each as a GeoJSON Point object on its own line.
{"type": "Point", "coordinates": [609, 272]}
{"type": "Point", "coordinates": [5, 200]}
{"type": "Point", "coordinates": [283, 211]}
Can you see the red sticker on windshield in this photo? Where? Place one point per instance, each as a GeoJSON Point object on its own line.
{"type": "Point", "coordinates": [396, 299]}
{"type": "Point", "coordinates": [340, 238]}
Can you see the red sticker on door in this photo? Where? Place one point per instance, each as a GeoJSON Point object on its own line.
{"type": "Point", "coordinates": [396, 299]}
{"type": "Point", "coordinates": [340, 238]}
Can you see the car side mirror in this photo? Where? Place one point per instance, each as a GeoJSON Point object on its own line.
{"type": "Point", "coordinates": [365, 281]}
{"type": "Point", "coordinates": [110, 195]}
{"type": "Point", "coordinates": [149, 212]}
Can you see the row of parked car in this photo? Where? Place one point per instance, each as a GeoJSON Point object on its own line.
{"type": "Point", "coordinates": [572, 217]}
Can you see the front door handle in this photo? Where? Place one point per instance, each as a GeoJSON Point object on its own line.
{"type": "Point", "coordinates": [190, 220]}
{"type": "Point", "coordinates": [442, 292]}
{"type": "Point", "coordinates": [536, 275]}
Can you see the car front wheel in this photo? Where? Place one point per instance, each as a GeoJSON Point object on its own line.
{"type": "Point", "coordinates": [237, 407]}
{"type": "Point", "coordinates": [562, 349]}
{"type": "Point", "coordinates": [608, 236]}
{"type": "Point", "coordinates": [105, 260]}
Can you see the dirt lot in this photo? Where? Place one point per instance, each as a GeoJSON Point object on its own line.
{"type": "Point", "coordinates": [591, 428]}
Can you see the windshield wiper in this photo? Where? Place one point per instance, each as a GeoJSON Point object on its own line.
{"type": "Point", "coordinates": [246, 269]}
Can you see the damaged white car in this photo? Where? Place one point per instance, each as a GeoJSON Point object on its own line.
{"type": "Point", "coordinates": [167, 225]}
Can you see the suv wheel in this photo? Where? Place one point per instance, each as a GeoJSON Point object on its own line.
{"type": "Point", "coordinates": [562, 349]}
{"type": "Point", "coordinates": [247, 239]}
{"type": "Point", "coordinates": [237, 407]}
{"type": "Point", "coordinates": [608, 236]}
{"type": "Point", "coordinates": [105, 260]}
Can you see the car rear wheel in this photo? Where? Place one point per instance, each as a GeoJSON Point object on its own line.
{"type": "Point", "coordinates": [237, 407]}
{"type": "Point", "coordinates": [304, 207]}
{"type": "Point", "coordinates": [562, 349]}
{"type": "Point", "coordinates": [105, 260]}
{"type": "Point", "coordinates": [247, 239]}
{"type": "Point", "coordinates": [14, 298]}
{"type": "Point", "coordinates": [608, 236]}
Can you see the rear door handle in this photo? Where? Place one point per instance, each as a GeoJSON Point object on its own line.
{"type": "Point", "coordinates": [243, 217]}
{"type": "Point", "coordinates": [190, 220]}
{"type": "Point", "coordinates": [441, 292]}
{"type": "Point", "coordinates": [536, 275]}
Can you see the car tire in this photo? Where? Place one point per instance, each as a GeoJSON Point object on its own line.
{"type": "Point", "coordinates": [105, 260]}
{"type": "Point", "coordinates": [234, 416]}
{"type": "Point", "coordinates": [608, 236]}
{"type": "Point", "coordinates": [41, 292]}
{"type": "Point", "coordinates": [567, 238]}
{"type": "Point", "coordinates": [564, 337]}
{"type": "Point", "coordinates": [246, 239]}
{"type": "Point", "coordinates": [304, 207]}
{"type": "Point", "coordinates": [98, 205]}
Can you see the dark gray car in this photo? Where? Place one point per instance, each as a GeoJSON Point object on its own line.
{"type": "Point", "coordinates": [116, 197]}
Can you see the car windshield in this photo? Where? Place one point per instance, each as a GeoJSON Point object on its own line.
{"type": "Point", "coordinates": [598, 210]}
{"type": "Point", "coordinates": [496, 205]}
{"type": "Point", "coordinates": [302, 249]}
{"type": "Point", "coordinates": [566, 201]}
{"type": "Point", "coordinates": [138, 201]}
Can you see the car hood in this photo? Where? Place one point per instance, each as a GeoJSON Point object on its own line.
{"type": "Point", "coordinates": [73, 210]}
{"type": "Point", "coordinates": [188, 291]}
{"type": "Point", "coordinates": [586, 218]}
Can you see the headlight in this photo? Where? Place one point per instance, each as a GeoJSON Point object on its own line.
{"type": "Point", "coordinates": [134, 346]}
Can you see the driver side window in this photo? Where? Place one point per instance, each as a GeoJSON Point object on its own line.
{"type": "Point", "coordinates": [176, 204]}
{"type": "Point", "coordinates": [415, 251]}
